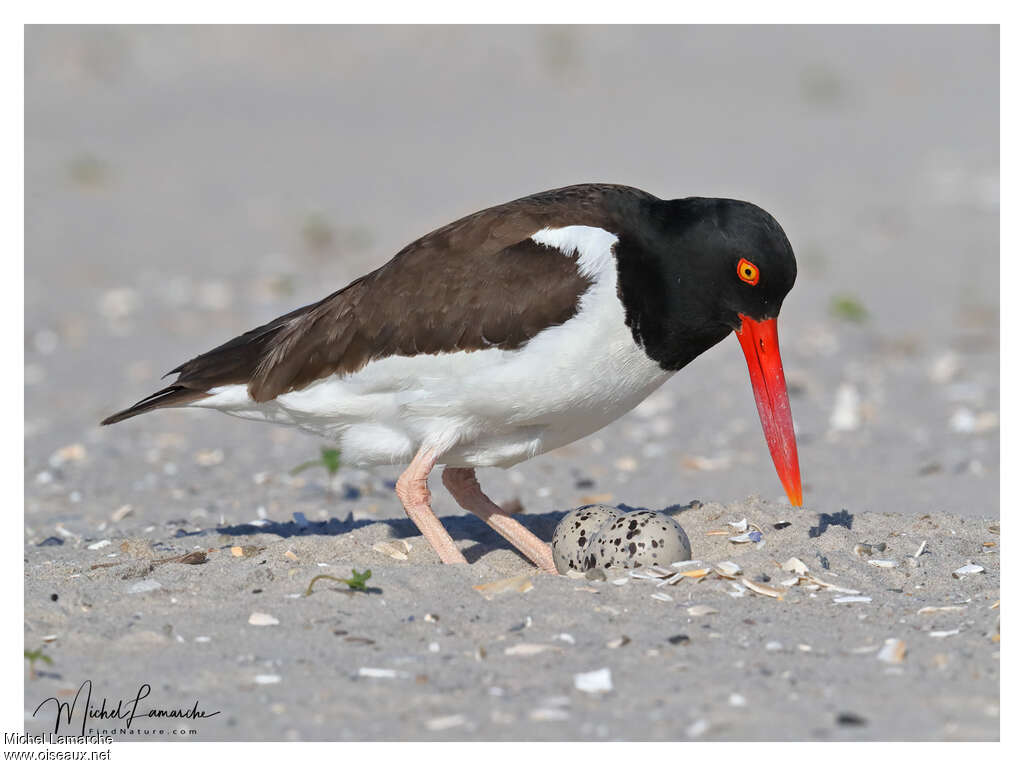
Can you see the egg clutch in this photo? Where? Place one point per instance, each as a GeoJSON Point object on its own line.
{"type": "Point", "coordinates": [603, 537]}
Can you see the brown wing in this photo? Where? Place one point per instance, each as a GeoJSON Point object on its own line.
{"type": "Point", "coordinates": [424, 305]}
{"type": "Point", "coordinates": [477, 283]}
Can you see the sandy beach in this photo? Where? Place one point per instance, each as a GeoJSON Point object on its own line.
{"type": "Point", "coordinates": [184, 185]}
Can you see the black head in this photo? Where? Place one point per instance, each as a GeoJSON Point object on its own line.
{"type": "Point", "coordinates": [689, 268]}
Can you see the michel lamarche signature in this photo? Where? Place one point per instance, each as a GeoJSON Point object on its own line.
{"type": "Point", "coordinates": [127, 710]}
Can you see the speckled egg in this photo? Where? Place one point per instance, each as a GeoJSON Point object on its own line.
{"type": "Point", "coordinates": [602, 537]}
{"type": "Point", "coordinates": [574, 533]}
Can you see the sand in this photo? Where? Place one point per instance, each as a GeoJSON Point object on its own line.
{"type": "Point", "coordinates": [185, 185]}
{"type": "Point", "coordinates": [422, 654]}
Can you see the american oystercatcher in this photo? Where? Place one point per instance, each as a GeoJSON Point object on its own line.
{"type": "Point", "coordinates": [511, 332]}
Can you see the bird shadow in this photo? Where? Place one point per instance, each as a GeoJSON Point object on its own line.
{"type": "Point", "coordinates": [825, 520]}
{"type": "Point", "coordinates": [461, 527]}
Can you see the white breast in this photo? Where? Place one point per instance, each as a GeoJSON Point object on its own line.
{"type": "Point", "coordinates": [482, 408]}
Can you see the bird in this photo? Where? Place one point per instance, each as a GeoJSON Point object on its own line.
{"type": "Point", "coordinates": [511, 332]}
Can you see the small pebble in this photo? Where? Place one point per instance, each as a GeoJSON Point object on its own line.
{"type": "Point", "coordinates": [850, 719]}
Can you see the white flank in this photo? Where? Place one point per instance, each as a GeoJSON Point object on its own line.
{"type": "Point", "coordinates": [482, 408]}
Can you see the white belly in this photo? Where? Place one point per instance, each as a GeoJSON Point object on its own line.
{"type": "Point", "coordinates": [480, 408]}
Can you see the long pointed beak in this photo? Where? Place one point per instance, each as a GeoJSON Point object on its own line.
{"type": "Point", "coordinates": [760, 342]}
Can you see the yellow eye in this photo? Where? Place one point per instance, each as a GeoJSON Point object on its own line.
{"type": "Point", "coordinates": [748, 272]}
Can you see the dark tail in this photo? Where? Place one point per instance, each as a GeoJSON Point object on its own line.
{"type": "Point", "coordinates": [233, 362]}
{"type": "Point", "coordinates": [165, 397]}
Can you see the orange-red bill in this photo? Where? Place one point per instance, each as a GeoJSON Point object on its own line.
{"type": "Point", "coordinates": [760, 342]}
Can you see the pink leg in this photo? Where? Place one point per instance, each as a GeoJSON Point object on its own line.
{"type": "Point", "coordinates": [412, 490]}
{"type": "Point", "coordinates": [462, 483]}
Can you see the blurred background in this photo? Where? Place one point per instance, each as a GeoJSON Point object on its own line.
{"type": "Point", "coordinates": [184, 184]}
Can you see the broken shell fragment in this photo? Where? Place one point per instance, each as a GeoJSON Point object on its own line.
{"type": "Point", "coordinates": [727, 569]}
{"type": "Point", "coordinates": [692, 564]}
{"type": "Point", "coordinates": [852, 600]}
{"type": "Point", "coordinates": [763, 589]}
{"type": "Point", "coordinates": [968, 569]}
{"type": "Point", "coordinates": [882, 563]}
{"type": "Point", "coordinates": [594, 682]}
{"type": "Point", "coordinates": [701, 610]}
{"type": "Point", "coordinates": [752, 536]}
{"type": "Point", "coordinates": [795, 565]}
{"type": "Point", "coordinates": [695, 574]}
{"type": "Point", "coordinates": [518, 584]}
{"type": "Point", "coordinates": [866, 549]}
{"type": "Point", "coordinates": [393, 550]}
{"type": "Point", "coordinates": [528, 650]}
{"type": "Point", "coordinates": [263, 619]}
{"type": "Point", "coordinates": [893, 651]}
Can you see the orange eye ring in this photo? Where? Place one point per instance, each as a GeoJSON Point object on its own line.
{"type": "Point", "coordinates": [748, 272]}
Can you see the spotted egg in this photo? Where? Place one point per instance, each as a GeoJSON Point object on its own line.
{"type": "Point", "coordinates": [603, 537]}
{"type": "Point", "coordinates": [575, 532]}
